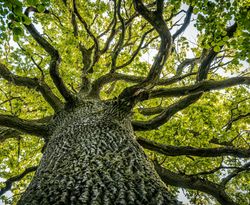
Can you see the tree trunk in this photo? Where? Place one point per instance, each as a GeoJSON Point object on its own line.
{"type": "Point", "coordinates": [93, 158]}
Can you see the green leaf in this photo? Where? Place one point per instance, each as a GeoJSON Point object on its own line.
{"type": "Point", "coordinates": [217, 49]}
{"type": "Point", "coordinates": [26, 20]}
{"type": "Point", "coordinates": [40, 8]}
{"type": "Point", "coordinates": [17, 31]}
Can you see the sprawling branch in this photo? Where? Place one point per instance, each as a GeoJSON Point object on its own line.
{"type": "Point", "coordinates": [157, 21]}
{"type": "Point", "coordinates": [111, 77]}
{"type": "Point", "coordinates": [195, 92]}
{"type": "Point", "coordinates": [195, 183]}
{"type": "Point", "coordinates": [84, 23]}
{"type": "Point", "coordinates": [33, 83]}
{"type": "Point", "coordinates": [166, 114]}
{"type": "Point", "coordinates": [118, 47]}
{"type": "Point", "coordinates": [185, 63]}
{"type": "Point", "coordinates": [55, 59]}
{"type": "Point", "coordinates": [245, 167]}
{"type": "Point", "coordinates": [203, 86]}
{"type": "Point", "coordinates": [10, 181]}
{"type": "Point", "coordinates": [136, 51]}
{"type": "Point", "coordinates": [112, 32]}
{"type": "Point", "coordinates": [169, 150]}
{"type": "Point", "coordinates": [7, 133]}
{"type": "Point", "coordinates": [26, 126]}
{"type": "Point", "coordinates": [185, 23]}
{"type": "Point", "coordinates": [206, 62]}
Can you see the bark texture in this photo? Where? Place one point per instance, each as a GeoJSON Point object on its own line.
{"type": "Point", "coordinates": [93, 158]}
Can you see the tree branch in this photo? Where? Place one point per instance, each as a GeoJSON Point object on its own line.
{"type": "Point", "coordinates": [185, 24]}
{"type": "Point", "coordinates": [10, 181]}
{"type": "Point", "coordinates": [111, 77]}
{"type": "Point", "coordinates": [169, 150]}
{"type": "Point", "coordinates": [245, 167]}
{"type": "Point", "coordinates": [166, 114]}
{"type": "Point", "coordinates": [203, 86]}
{"type": "Point", "coordinates": [119, 45]}
{"type": "Point", "coordinates": [96, 43]}
{"type": "Point", "coordinates": [26, 126]}
{"type": "Point", "coordinates": [33, 83]}
{"type": "Point", "coordinates": [195, 183]}
{"type": "Point", "coordinates": [55, 59]}
{"type": "Point", "coordinates": [156, 20]}
{"type": "Point", "coordinates": [205, 64]}
{"type": "Point", "coordinates": [136, 51]}
{"type": "Point", "coordinates": [7, 133]}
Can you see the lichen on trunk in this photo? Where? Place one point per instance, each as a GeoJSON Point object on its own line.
{"type": "Point", "coordinates": [93, 158]}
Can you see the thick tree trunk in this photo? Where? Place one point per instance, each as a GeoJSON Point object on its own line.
{"type": "Point", "coordinates": [93, 158]}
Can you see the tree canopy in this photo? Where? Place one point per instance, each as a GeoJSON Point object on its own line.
{"type": "Point", "coordinates": [182, 65]}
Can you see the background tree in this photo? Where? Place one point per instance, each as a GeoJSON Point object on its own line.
{"type": "Point", "coordinates": [181, 67]}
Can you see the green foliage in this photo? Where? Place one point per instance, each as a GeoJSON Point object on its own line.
{"type": "Point", "coordinates": [200, 125]}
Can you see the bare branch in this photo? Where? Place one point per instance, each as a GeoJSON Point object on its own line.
{"type": "Point", "coordinates": [33, 83]}
{"type": "Point", "coordinates": [157, 21]}
{"type": "Point", "coordinates": [110, 77]}
{"type": "Point", "coordinates": [169, 150]}
{"type": "Point", "coordinates": [184, 64]}
{"type": "Point", "coordinates": [10, 181]}
{"type": "Point", "coordinates": [151, 110]}
{"type": "Point", "coordinates": [231, 121]}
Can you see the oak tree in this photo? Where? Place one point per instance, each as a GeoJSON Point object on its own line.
{"type": "Point", "coordinates": [124, 102]}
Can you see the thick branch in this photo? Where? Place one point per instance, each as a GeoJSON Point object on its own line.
{"type": "Point", "coordinates": [110, 77]}
{"type": "Point", "coordinates": [195, 183]}
{"type": "Point", "coordinates": [7, 133]}
{"type": "Point", "coordinates": [169, 150]}
{"type": "Point", "coordinates": [166, 114]}
{"type": "Point", "coordinates": [10, 181]}
{"type": "Point", "coordinates": [33, 83]}
{"type": "Point", "coordinates": [26, 126]}
{"type": "Point", "coordinates": [206, 62]}
{"type": "Point", "coordinates": [203, 86]}
{"type": "Point", "coordinates": [156, 20]}
{"type": "Point", "coordinates": [55, 59]}
{"type": "Point", "coordinates": [119, 45]}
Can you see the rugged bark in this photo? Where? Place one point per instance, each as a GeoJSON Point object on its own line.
{"type": "Point", "coordinates": [93, 158]}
